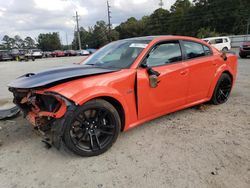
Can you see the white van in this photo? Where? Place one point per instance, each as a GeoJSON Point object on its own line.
{"type": "Point", "coordinates": [221, 43]}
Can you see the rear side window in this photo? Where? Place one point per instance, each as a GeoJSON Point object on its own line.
{"type": "Point", "coordinates": [165, 53]}
{"type": "Point", "coordinates": [218, 41]}
{"type": "Point", "coordinates": [193, 49]}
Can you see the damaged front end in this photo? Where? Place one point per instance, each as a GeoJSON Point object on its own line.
{"type": "Point", "coordinates": [44, 110]}
{"type": "Point", "coordinates": [40, 107]}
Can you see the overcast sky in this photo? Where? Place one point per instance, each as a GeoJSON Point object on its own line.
{"type": "Point", "coordinates": [31, 17]}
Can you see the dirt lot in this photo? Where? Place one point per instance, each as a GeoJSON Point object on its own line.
{"type": "Point", "coordinates": [196, 147]}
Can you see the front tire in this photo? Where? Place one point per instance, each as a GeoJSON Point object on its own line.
{"type": "Point", "coordinates": [222, 89]}
{"type": "Point", "coordinates": [91, 129]}
{"type": "Point", "coordinates": [242, 56]}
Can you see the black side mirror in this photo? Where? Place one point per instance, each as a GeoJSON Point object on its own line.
{"type": "Point", "coordinates": [224, 55]}
{"type": "Point", "coordinates": [152, 74]}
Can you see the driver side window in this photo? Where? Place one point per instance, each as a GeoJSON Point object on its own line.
{"type": "Point", "coordinates": [164, 53]}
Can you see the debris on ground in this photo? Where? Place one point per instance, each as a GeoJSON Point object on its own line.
{"type": "Point", "coordinates": [8, 109]}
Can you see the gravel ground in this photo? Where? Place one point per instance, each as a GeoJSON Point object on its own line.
{"type": "Point", "coordinates": [206, 146]}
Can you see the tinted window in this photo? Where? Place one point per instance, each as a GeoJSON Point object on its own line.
{"type": "Point", "coordinates": [165, 53]}
{"type": "Point", "coordinates": [207, 50]}
{"type": "Point", "coordinates": [218, 41]}
{"type": "Point", "coordinates": [193, 49]}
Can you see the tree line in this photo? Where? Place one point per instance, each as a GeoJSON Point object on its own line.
{"type": "Point", "coordinates": [17, 42]}
{"type": "Point", "coordinates": [201, 18]}
{"type": "Point", "coordinates": [45, 42]}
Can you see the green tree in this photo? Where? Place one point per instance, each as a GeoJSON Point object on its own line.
{"type": "Point", "coordinates": [131, 28]}
{"type": "Point", "coordinates": [19, 43]}
{"type": "Point", "coordinates": [223, 16]}
{"type": "Point", "coordinates": [7, 42]}
{"type": "Point", "coordinates": [206, 32]}
{"type": "Point", "coordinates": [100, 32]}
{"type": "Point", "coordinates": [95, 37]}
{"type": "Point", "coordinates": [157, 22]}
{"type": "Point", "coordinates": [29, 43]}
{"type": "Point", "coordinates": [179, 23]}
{"type": "Point", "coordinates": [49, 41]}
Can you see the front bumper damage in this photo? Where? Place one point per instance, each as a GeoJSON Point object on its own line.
{"type": "Point", "coordinates": [42, 109]}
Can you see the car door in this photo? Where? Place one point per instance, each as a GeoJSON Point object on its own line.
{"type": "Point", "coordinates": [202, 66]}
{"type": "Point", "coordinates": [171, 91]}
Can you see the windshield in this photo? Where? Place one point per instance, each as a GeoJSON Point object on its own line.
{"type": "Point", "coordinates": [119, 54]}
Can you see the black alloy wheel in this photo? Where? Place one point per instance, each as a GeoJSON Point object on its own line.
{"type": "Point", "coordinates": [222, 89]}
{"type": "Point", "coordinates": [92, 128]}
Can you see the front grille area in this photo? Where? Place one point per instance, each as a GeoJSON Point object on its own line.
{"type": "Point", "coordinates": [246, 47]}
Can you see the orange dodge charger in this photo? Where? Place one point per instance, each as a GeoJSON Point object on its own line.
{"type": "Point", "coordinates": [122, 85]}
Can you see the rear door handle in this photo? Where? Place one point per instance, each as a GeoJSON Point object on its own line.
{"type": "Point", "coordinates": [184, 72]}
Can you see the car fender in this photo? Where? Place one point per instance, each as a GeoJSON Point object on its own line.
{"type": "Point", "coordinates": [88, 94]}
{"type": "Point", "coordinates": [95, 92]}
{"type": "Point", "coordinates": [217, 75]}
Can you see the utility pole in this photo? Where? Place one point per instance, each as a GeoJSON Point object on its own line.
{"type": "Point", "coordinates": [67, 40]}
{"type": "Point", "coordinates": [109, 17]}
{"type": "Point", "coordinates": [78, 31]}
{"type": "Point", "coordinates": [161, 3]}
{"type": "Point", "coordinates": [248, 24]}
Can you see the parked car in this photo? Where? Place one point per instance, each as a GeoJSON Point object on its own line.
{"type": "Point", "coordinates": [14, 53]}
{"type": "Point", "coordinates": [122, 85]}
{"type": "Point", "coordinates": [244, 49]}
{"type": "Point", "coordinates": [70, 53]}
{"type": "Point", "coordinates": [83, 52]}
{"type": "Point", "coordinates": [5, 55]}
{"type": "Point", "coordinates": [36, 53]}
{"type": "Point", "coordinates": [21, 55]}
{"type": "Point", "coordinates": [47, 54]}
{"type": "Point", "coordinates": [91, 50]}
{"type": "Point", "coordinates": [221, 43]}
{"type": "Point", "coordinates": [58, 53]}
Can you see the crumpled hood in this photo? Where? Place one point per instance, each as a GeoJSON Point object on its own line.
{"type": "Point", "coordinates": [56, 75]}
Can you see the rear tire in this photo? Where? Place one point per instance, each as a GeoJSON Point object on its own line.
{"type": "Point", "coordinates": [225, 49]}
{"type": "Point", "coordinates": [222, 89]}
{"type": "Point", "coordinates": [91, 129]}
